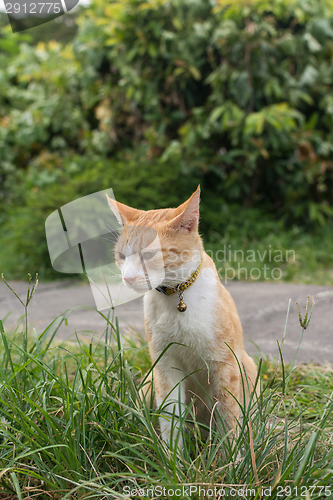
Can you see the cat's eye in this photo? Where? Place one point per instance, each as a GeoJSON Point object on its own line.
{"type": "Point", "coordinates": [149, 254]}
{"type": "Point", "coordinates": [120, 256]}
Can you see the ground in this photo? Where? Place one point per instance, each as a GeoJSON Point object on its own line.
{"type": "Point", "coordinates": [262, 307]}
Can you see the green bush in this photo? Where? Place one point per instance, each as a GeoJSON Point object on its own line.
{"type": "Point", "coordinates": [50, 185]}
{"type": "Point", "coordinates": [153, 97]}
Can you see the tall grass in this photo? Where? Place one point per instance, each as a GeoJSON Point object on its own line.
{"type": "Point", "coordinates": [74, 424]}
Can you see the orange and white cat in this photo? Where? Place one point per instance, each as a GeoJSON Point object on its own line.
{"type": "Point", "coordinates": [190, 315]}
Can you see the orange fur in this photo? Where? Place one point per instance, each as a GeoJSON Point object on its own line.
{"type": "Point", "coordinates": [205, 357]}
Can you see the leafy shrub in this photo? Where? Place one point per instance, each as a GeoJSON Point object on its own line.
{"type": "Point", "coordinates": [238, 91]}
{"type": "Point", "coordinates": [49, 185]}
{"type": "Point", "coordinates": [153, 97]}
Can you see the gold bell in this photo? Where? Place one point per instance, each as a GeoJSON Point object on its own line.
{"type": "Point", "coordinates": [181, 307]}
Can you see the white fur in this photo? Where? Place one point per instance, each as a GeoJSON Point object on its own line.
{"type": "Point", "coordinates": [132, 268]}
{"type": "Point", "coordinates": [194, 329]}
{"type": "Point", "coordinates": [133, 273]}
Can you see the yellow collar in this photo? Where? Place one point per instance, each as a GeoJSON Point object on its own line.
{"type": "Point", "coordinates": [180, 288]}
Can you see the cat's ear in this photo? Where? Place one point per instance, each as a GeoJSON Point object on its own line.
{"type": "Point", "coordinates": [122, 212]}
{"type": "Point", "coordinates": [188, 213]}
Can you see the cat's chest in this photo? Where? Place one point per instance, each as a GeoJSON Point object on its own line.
{"type": "Point", "coordinates": [194, 327]}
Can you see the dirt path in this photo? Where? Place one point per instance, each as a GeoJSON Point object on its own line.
{"type": "Point", "coordinates": [262, 308]}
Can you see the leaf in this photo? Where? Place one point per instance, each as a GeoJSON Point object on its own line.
{"type": "Point", "coordinates": [309, 76]}
{"type": "Point", "coordinates": [217, 113]}
{"type": "Point", "coordinates": [306, 457]}
{"type": "Point", "coordinates": [312, 43]}
{"type": "Point", "coordinates": [315, 214]}
{"type": "Point", "coordinates": [195, 72]}
{"type": "Point", "coordinates": [321, 29]}
{"type": "Point", "coordinates": [241, 88]}
{"type": "Point", "coordinates": [254, 123]}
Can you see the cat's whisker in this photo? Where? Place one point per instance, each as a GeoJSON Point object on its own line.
{"type": "Point", "coordinates": [110, 228]}
{"type": "Point", "coordinates": [110, 238]}
{"type": "Point", "coordinates": [116, 279]}
{"type": "Point", "coordinates": [114, 273]}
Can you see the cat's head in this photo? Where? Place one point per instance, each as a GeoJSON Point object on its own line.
{"type": "Point", "coordinates": [157, 247]}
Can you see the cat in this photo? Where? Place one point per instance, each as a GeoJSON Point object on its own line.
{"type": "Point", "coordinates": [190, 315]}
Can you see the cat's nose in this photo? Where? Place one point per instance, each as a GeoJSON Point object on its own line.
{"type": "Point", "coordinates": [129, 279]}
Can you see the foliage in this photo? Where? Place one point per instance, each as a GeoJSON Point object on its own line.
{"type": "Point", "coordinates": [234, 95]}
{"type": "Point", "coordinates": [73, 423]}
{"type": "Point", "coordinates": [45, 188]}
{"type": "Point", "coordinates": [63, 28]}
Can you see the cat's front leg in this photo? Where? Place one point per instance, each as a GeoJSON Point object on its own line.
{"type": "Point", "coordinates": [226, 380]}
{"type": "Point", "coordinates": [170, 398]}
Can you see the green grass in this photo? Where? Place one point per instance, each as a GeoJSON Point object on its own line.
{"type": "Point", "coordinates": [74, 425]}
